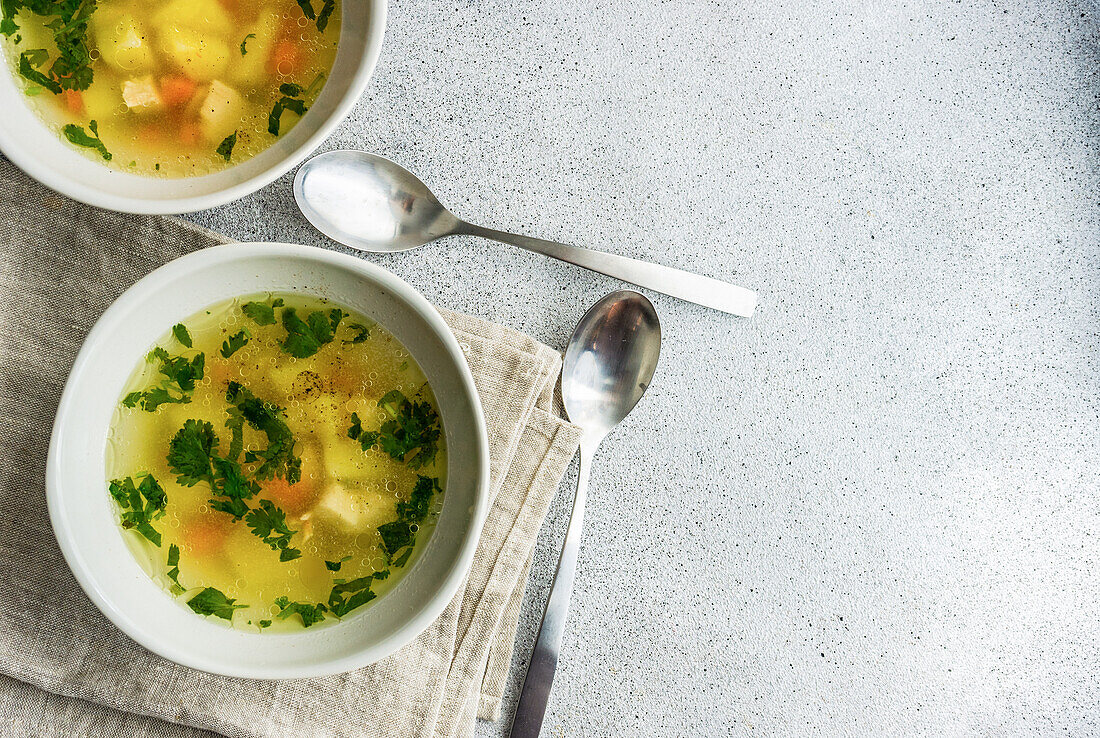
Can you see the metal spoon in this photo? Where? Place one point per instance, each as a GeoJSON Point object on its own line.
{"type": "Point", "coordinates": [370, 203]}
{"type": "Point", "coordinates": [608, 366]}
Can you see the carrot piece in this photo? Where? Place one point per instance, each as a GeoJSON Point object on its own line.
{"type": "Point", "coordinates": [74, 101]}
{"type": "Point", "coordinates": [150, 134]}
{"type": "Point", "coordinates": [292, 498]}
{"type": "Point", "coordinates": [204, 536]}
{"type": "Point", "coordinates": [189, 133]}
{"type": "Point", "coordinates": [286, 58]}
{"type": "Point", "coordinates": [176, 89]}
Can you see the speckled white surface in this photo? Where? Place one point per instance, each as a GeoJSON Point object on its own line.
{"type": "Point", "coordinates": [874, 508]}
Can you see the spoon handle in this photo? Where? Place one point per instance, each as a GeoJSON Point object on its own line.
{"type": "Point", "coordinates": [694, 288]}
{"type": "Point", "coordinates": [527, 721]}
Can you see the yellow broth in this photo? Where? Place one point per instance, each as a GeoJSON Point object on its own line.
{"type": "Point", "coordinates": [176, 88]}
{"type": "Point", "coordinates": [349, 488]}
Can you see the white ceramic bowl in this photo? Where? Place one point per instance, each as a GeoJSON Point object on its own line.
{"type": "Point", "coordinates": [85, 521]}
{"type": "Point", "coordinates": [41, 152]}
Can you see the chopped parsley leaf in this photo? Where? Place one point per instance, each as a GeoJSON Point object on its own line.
{"type": "Point", "coordinates": [141, 504]}
{"type": "Point", "coordinates": [416, 509]}
{"type": "Point", "coordinates": [264, 623]}
{"type": "Point", "coordinates": [245, 41]}
{"type": "Point", "coordinates": [306, 337]}
{"type": "Point", "coordinates": [225, 148]}
{"type": "Point", "coordinates": [279, 459]}
{"type": "Point", "coordinates": [234, 343]}
{"type": "Point", "coordinates": [307, 9]}
{"type": "Point", "coordinates": [346, 596]}
{"type": "Point", "coordinates": [27, 69]}
{"type": "Point", "coordinates": [327, 6]}
{"type": "Point", "coordinates": [262, 313]}
{"type": "Point", "coordinates": [180, 375]}
{"type": "Point", "coordinates": [362, 333]}
{"type": "Point", "coordinates": [179, 330]}
{"type": "Point", "coordinates": [192, 456]}
{"type": "Point", "coordinates": [412, 427]}
{"type": "Point", "coordinates": [289, 101]}
{"type": "Point", "coordinates": [395, 536]}
{"type": "Point", "coordinates": [335, 565]}
{"type": "Point", "coordinates": [401, 533]}
{"type": "Point", "coordinates": [190, 452]}
{"type": "Point", "coordinates": [211, 601]}
{"type": "Point", "coordinates": [268, 523]}
{"type": "Point", "coordinates": [79, 137]}
{"type": "Point", "coordinates": [68, 20]}
{"type": "Point", "coordinates": [174, 568]}
{"type": "Point", "coordinates": [180, 370]}
{"type": "Point", "coordinates": [310, 614]}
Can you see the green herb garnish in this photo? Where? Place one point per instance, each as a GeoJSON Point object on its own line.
{"type": "Point", "coordinates": [211, 601]}
{"type": "Point", "coordinates": [141, 504]}
{"type": "Point", "coordinates": [174, 568]}
{"type": "Point", "coordinates": [362, 333]}
{"type": "Point", "coordinates": [310, 614]}
{"type": "Point", "coordinates": [225, 148]}
{"type": "Point", "coordinates": [32, 58]}
{"type": "Point", "coordinates": [290, 98]}
{"type": "Point", "coordinates": [327, 6]}
{"type": "Point", "coordinates": [190, 452]}
{"type": "Point", "coordinates": [278, 459]}
{"type": "Point", "coordinates": [68, 20]}
{"type": "Point", "coordinates": [179, 330]}
{"type": "Point", "coordinates": [80, 137]}
{"type": "Point", "coordinates": [245, 41]}
{"type": "Point", "coordinates": [322, 18]}
{"type": "Point", "coordinates": [335, 565]}
{"type": "Point", "coordinates": [396, 536]}
{"type": "Point", "coordinates": [416, 509]}
{"type": "Point", "coordinates": [180, 375]}
{"type": "Point", "coordinates": [264, 623]}
{"type": "Point", "coordinates": [192, 456]}
{"type": "Point", "coordinates": [401, 533]}
{"type": "Point", "coordinates": [262, 313]}
{"type": "Point", "coordinates": [306, 337]}
{"type": "Point", "coordinates": [307, 9]}
{"type": "Point", "coordinates": [268, 523]}
{"type": "Point", "coordinates": [346, 596]}
{"type": "Point", "coordinates": [412, 427]}
{"type": "Point", "coordinates": [234, 343]}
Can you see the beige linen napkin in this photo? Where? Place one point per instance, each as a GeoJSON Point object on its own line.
{"type": "Point", "coordinates": [66, 671]}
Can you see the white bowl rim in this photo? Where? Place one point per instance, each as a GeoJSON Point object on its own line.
{"type": "Point", "coordinates": [226, 254]}
{"type": "Point", "coordinates": [89, 195]}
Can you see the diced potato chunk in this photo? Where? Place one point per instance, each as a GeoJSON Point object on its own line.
{"type": "Point", "coordinates": [196, 54]}
{"type": "Point", "coordinates": [122, 41]}
{"type": "Point", "coordinates": [221, 111]}
{"type": "Point", "coordinates": [102, 97]}
{"type": "Point", "coordinates": [194, 34]}
{"type": "Point", "coordinates": [346, 461]}
{"type": "Point", "coordinates": [252, 66]}
{"type": "Point", "coordinates": [141, 95]}
{"type": "Point", "coordinates": [207, 16]}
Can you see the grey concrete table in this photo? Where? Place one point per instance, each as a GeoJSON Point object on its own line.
{"type": "Point", "coordinates": [873, 508]}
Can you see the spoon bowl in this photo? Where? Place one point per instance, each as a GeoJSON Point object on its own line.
{"type": "Point", "coordinates": [610, 361]}
{"type": "Point", "coordinates": [369, 202]}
